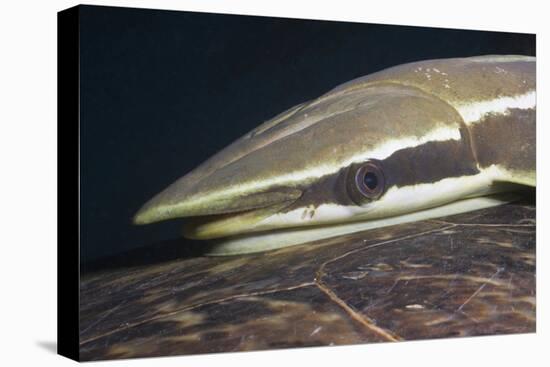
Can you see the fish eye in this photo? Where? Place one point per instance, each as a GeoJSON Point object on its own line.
{"type": "Point", "coordinates": [370, 180]}
{"type": "Point", "coordinates": [365, 181]}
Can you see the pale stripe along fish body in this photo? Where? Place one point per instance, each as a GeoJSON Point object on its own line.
{"type": "Point", "coordinates": [415, 141]}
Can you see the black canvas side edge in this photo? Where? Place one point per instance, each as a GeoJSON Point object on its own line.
{"type": "Point", "coordinates": [68, 175]}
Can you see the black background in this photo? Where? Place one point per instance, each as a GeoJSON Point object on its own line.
{"type": "Point", "coordinates": [161, 91]}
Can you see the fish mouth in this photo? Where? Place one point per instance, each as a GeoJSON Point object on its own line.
{"type": "Point", "coordinates": [199, 207]}
{"type": "Point", "coordinates": [230, 224]}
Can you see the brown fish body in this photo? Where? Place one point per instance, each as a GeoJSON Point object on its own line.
{"type": "Point", "coordinates": [457, 126]}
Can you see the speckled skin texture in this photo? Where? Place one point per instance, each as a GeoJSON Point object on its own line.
{"type": "Point", "coordinates": [281, 161]}
{"type": "Point", "coordinates": [465, 275]}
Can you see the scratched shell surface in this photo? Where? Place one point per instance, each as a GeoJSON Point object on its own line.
{"type": "Point", "coordinates": [465, 275]}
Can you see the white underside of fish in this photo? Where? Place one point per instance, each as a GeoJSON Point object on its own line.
{"type": "Point", "coordinates": [259, 242]}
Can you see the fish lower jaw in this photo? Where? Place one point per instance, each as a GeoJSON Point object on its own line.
{"type": "Point", "coordinates": [223, 225]}
{"type": "Point", "coordinates": [272, 240]}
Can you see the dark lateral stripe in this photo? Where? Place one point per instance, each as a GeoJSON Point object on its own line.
{"type": "Point", "coordinates": [508, 140]}
{"type": "Point", "coordinates": [430, 162]}
{"type": "Point", "coordinates": [426, 163]}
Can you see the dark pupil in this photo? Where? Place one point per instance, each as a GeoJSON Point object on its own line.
{"type": "Point", "coordinates": [371, 181]}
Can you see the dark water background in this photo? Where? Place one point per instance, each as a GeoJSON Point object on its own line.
{"type": "Point", "coordinates": [161, 91]}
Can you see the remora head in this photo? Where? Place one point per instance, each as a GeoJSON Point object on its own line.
{"type": "Point", "coordinates": [416, 141]}
{"type": "Point", "coordinates": [354, 155]}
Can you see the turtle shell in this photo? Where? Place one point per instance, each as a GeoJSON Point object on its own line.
{"type": "Point", "coordinates": [464, 275]}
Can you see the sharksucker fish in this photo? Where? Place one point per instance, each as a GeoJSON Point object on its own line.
{"type": "Point", "coordinates": [415, 141]}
